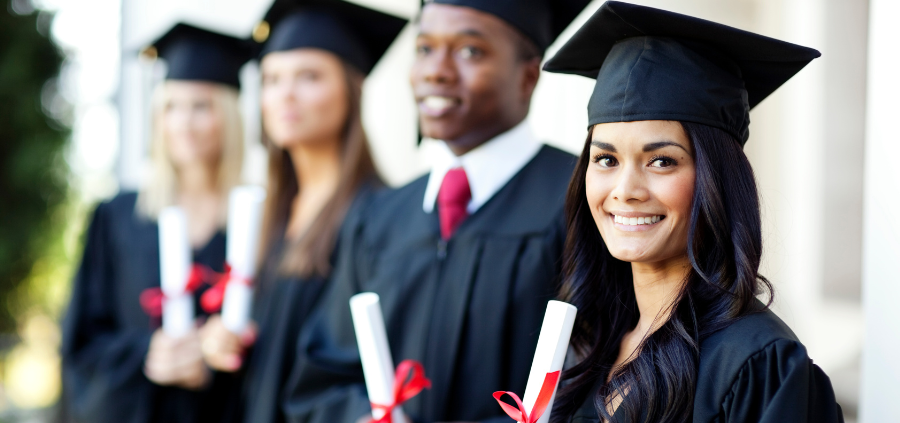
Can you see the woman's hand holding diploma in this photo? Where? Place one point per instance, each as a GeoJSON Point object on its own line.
{"type": "Point", "coordinates": [176, 361]}
{"type": "Point", "coordinates": [222, 349]}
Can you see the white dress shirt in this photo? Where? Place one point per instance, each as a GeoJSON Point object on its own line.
{"type": "Point", "coordinates": [488, 167]}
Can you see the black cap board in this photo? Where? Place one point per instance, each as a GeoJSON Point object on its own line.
{"type": "Point", "coordinates": [354, 33]}
{"type": "Point", "coordinates": [195, 54]}
{"type": "Point", "coordinates": [541, 21]}
{"type": "Point", "coordinates": [651, 64]}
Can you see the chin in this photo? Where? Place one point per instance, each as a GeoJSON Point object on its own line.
{"type": "Point", "coordinates": [630, 254]}
{"type": "Point", "coordinates": [286, 139]}
{"type": "Point", "coordinates": [440, 130]}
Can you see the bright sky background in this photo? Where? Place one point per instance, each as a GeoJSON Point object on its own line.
{"type": "Point", "coordinates": [88, 33]}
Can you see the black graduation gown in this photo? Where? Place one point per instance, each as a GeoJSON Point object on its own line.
{"type": "Point", "coordinates": [281, 307]}
{"type": "Point", "coordinates": [469, 309]}
{"type": "Point", "coordinates": [106, 333]}
{"type": "Point", "coordinates": [753, 371]}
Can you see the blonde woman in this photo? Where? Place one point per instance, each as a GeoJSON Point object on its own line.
{"type": "Point", "coordinates": [119, 366]}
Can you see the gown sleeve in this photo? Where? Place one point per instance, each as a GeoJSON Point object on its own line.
{"type": "Point", "coordinates": [102, 362]}
{"type": "Point", "coordinates": [781, 384]}
{"type": "Point", "coordinates": [103, 351]}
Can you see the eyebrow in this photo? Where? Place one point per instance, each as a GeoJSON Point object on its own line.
{"type": "Point", "coordinates": [653, 146]}
{"type": "Point", "coordinates": [466, 32]}
{"type": "Point", "coordinates": [603, 146]}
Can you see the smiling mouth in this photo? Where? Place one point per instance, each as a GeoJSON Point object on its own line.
{"type": "Point", "coordinates": [637, 221]}
{"type": "Point", "coordinates": [435, 106]}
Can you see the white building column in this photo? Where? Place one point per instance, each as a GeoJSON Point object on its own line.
{"type": "Point", "coordinates": [880, 391]}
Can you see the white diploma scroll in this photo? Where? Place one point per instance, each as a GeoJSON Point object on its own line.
{"type": "Point", "coordinates": [374, 351]}
{"type": "Point", "coordinates": [552, 345]}
{"type": "Point", "coordinates": [245, 209]}
{"type": "Point", "coordinates": [175, 267]}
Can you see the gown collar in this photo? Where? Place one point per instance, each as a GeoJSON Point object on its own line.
{"type": "Point", "coordinates": [488, 167]}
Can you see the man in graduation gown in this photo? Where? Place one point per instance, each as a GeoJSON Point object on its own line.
{"type": "Point", "coordinates": [465, 258]}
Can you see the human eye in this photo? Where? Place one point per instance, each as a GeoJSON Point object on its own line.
{"type": "Point", "coordinates": [604, 160]}
{"type": "Point", "coordinates": [309, 75]}
{"type": "Point", "coordinates": [423, 49]}
{"type": "Point", "coordinates": [662, 162]}
{"type": "Point", "coordinates": [470, 52]}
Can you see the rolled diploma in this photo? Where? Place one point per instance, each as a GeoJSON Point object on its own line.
{"type": "Point", "coordinates": [552, 345]}
{"type": "Point", "coordinates": [374, 351]}
{"type": "Point", "coordinates": [245, 208]}
{"type": "Point", "coordinates": [174, 266]}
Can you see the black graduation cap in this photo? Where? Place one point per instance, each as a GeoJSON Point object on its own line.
{"type": "Point", "coordinates": [355, 33]}
{"type": "Point", "coordinates": [651, 64]}
{"type": "Point", "coordinates": [196, 54]}
{"type": "Point", "coordinates": [539, 20]}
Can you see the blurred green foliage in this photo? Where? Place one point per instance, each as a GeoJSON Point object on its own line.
{"type": "Point", "coordinates": [33, 171]}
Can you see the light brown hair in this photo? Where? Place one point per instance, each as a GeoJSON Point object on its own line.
{"type": "Point", "coordinates": [310, 255]}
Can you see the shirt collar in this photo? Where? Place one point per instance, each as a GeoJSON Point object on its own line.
{"type": "Point", "coordinates": [488, 167]}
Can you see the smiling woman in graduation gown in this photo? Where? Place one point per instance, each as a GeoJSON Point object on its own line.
{"type": "Point", "coordinates": [665, 231]}
{"type": "Point", "coordinates": [118, 365]}
{"type": "Point", "coordinates": [313, 65]}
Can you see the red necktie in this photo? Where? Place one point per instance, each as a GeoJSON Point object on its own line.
{"type": "Point", "coordinates": [453, 198]}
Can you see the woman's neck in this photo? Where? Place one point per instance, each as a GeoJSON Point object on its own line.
{"type": "Point", "coordinates": [316, 165]}
{"type": "Point", "coordinates": [197, 179]}
{"type": "Point", "coordinates": [656, 286]}
{"type": "Point", "coordinates": [318, 171]}
{"type": "Point", "coordinates": [199, 196]}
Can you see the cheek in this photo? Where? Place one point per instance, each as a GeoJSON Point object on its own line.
{"type": "Point", "coordinates": [483, 84]}
{"type": "Point", "coordinates": [211, 127]}
{"type": "Point", "coordinates": [414, 73]}
{"type": "Point", "coordinates": [266, 101]}
{"type": "Point", "coordinates": [596, 191]}
{"type": "Point", "coordinates": [172, 121]}
{"type": "Point", "coordinates": [329, 104]}
{"type": "Point", "coordinates": [676, 193]}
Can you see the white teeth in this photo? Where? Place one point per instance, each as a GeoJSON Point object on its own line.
{"type": "Point", "coordinates": [438, 103]}
{"type": "Point", "coordinates": [634, 221]}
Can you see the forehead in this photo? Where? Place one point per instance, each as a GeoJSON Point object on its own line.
{"type": "Point", "coordinates": [451, 20]}
{"type": "Point", "coordinates": [640, 132]}
{"type": "Point", "coordinates": [182, 88]}
{"type": "Point", "coordinates": [300, 57]}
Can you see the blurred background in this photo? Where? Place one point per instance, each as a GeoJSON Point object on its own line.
{"type": "Point", "coordinates": [74, 114]}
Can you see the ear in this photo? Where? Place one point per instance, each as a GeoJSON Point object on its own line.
{"type": "Point", "coordinates": [531, 72]}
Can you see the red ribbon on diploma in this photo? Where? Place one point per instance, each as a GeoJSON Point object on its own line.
{"type": "Point", "coordinates": [520, 414]}
{"type": "Point", "coordinates": [211, 300]}
{"type": "Point", "coordinates": [152, 299]}
{"type": "Point", "coordinates": [409, 380]}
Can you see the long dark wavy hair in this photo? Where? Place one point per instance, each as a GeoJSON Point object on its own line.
{"type": "Point", "coordinates": [724, 249]}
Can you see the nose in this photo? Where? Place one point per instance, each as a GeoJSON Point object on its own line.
{"type": "Point", "coordinates": [631, 185]}
{"type": "Point", "coordinates": [278, 93]}
{"type": "Point", "coordinates": [437, 67]}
